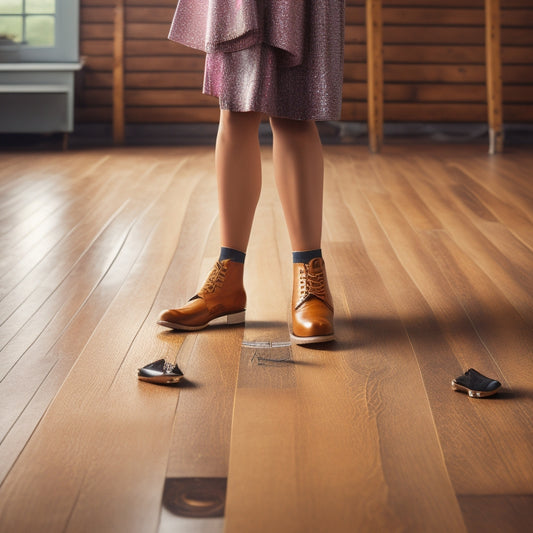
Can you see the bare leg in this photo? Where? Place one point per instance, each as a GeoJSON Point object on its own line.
{"type": "Point", "coordinates": [299, 174]}
{"type": "Point", "coordinates": [238, 167]}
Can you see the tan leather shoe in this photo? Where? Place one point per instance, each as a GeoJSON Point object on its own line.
{"type": "Point", "coordinates": [222, 295]}
{"type": "Point", "coordinates": [312, 305]}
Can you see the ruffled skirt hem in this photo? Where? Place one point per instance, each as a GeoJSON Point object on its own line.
{"type": "Point", "coordinates": [280, 57]}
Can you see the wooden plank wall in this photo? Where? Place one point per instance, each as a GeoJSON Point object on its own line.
{"type": "Point", "coordinates": [433, 51]}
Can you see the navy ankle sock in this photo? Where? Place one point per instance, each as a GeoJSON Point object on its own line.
{"type": "Point", "coordinates": [305, 257]}
{"type": "Point", "coordinates": [232, 255]}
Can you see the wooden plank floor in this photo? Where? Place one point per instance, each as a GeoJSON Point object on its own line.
{"type": "Point", "coordinates": [429, 251]}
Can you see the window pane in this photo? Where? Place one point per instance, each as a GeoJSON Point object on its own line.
{"type": "Point", "coordinates": [10, 6]}
{"type": "Point", "coordinates": [40, 30]}
{"type": "Point", "coordinates": [40, 6]}
{"type": "Point", "coordinates": [10, 30]}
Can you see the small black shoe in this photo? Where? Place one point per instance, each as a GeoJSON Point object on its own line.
{"type": "Point", "coordinates": [475, 384]}
{"type": "Point", "coordinates": [160, 372]}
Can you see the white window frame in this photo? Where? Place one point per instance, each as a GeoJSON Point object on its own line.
{"type": "Point", "coordinates": [66, 42]}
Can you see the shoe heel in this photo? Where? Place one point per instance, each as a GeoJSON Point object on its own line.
{"type": "Point", "coordinates": [236, 318]}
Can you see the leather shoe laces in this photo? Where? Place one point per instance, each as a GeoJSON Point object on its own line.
{"type": "Point", "coordinates": [216, 278]}
{"type": "Point", "coordinates": [311, 284]}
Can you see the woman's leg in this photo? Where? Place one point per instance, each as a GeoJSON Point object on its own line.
{"type": "Point", "coordinates": [299, 174]}
{"type": "Point", "coordinates": [238, 167]}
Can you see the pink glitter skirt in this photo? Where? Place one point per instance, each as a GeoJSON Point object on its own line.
{"type": "Point", "coordinates": [280, 57]}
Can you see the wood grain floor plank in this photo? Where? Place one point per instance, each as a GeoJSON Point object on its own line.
{"type": "Point", "coordinates": [508, 212]}
{"type": "Point", "coordinates": [442, 333]}
{"type": "Point", "coordinates": [199, 449]}
{"type": "Point", "coordinates": [93, 193]}
{"type": "Point", "coordinates": [513, 277]}
{"type": "Point", "coordinates": [16, 208]}
{"type": "Point", "coordinates": [56, 252]}
{"type": "Point", "coordinates": [33, 240]}
{"type": "Point", "coordinates": [506, 513]}
{"type": "Point", "coordinates": [434, 353]}
{"type": "Point", "coordinates": [428, 254]}
{"type": "Point", "coordinates": [499, 176]}
{"type": "Point", "coordinates": [502, 330]}
{"type": "Point", "coordinates": [22, 361]}
{"type": "Point", "coordinates": [55, 357]}
{"type": "Point", "coordinates": [513, 174]}
{"type": "Point", "coordinates": [64, 303]}
{"type": "Point", "coordinates": [102, 404]}
{"type": "Point", "coordinates": [266, 410]}
{"type": "Point", "coordinates": [496, 231]}
{"type": "Point", "coordinates": [291, 421]}
{"type": "Point", "coordinates": [10, 169]}
{"type": "Point", "coordinates": [34, 280]}
{"type": "Point", "coordinates": [386, 346]}
{"type": "Point", "coordinates": [210, 364]}
{"type": "Point", "coordinates": [39, 183]}
{"type": "Point", "coordinates": [118, 470]}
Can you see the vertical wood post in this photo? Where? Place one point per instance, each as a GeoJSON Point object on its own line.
{"type": "Point", "coordinates": [374, 53]}
{"type": "Point", "coordinates": [118, 74]}
{"type": "Point", "coordinates": [494, 75]}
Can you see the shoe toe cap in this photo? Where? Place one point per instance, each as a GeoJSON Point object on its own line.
{"type": "Point", "coordinates": [493, 385]}
{"type": "Point", "coordinates": [167, 315]}
{"type": "Point", "coordinates": [171, 317]}
{"type": "Point", "coordinates": [313, 326]}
